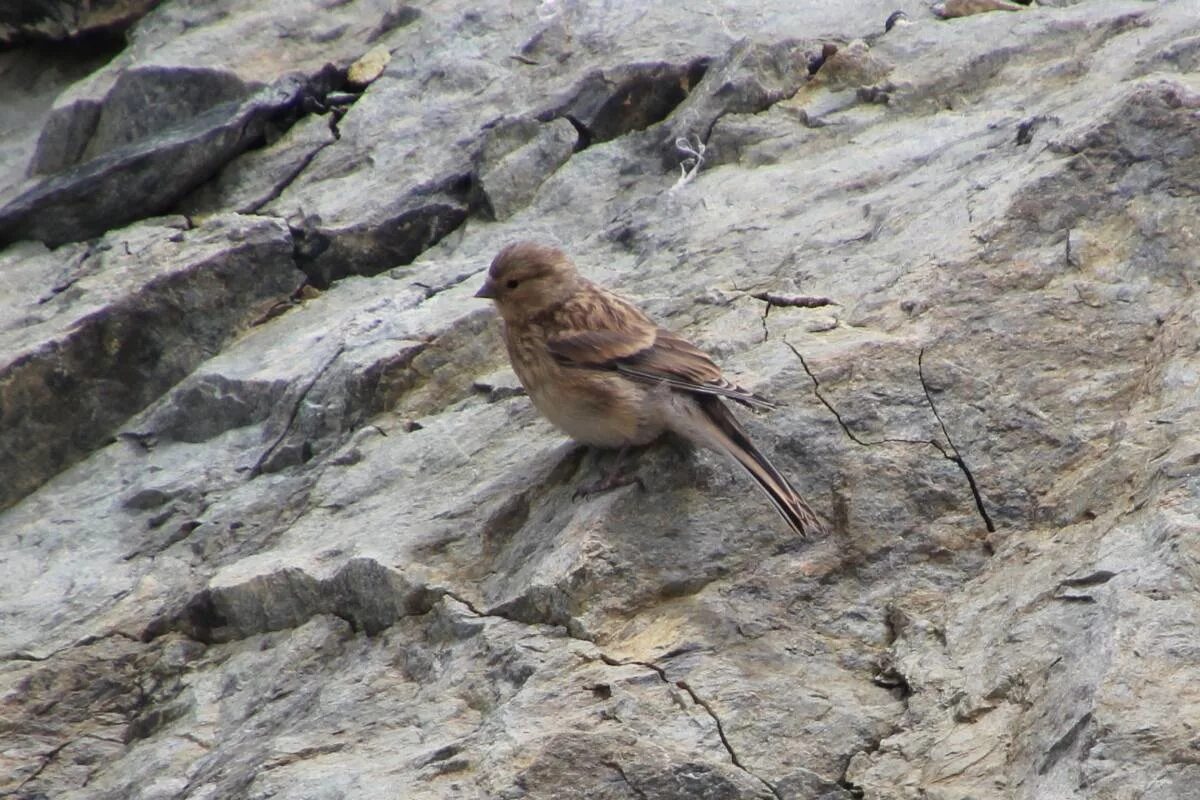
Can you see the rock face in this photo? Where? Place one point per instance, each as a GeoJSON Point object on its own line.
{"type": "Point", "coordinates": [55, 20]}
{"type": "Point", "coordinates": [278, 521]}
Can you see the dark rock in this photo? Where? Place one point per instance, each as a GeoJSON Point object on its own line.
{"type": "Point", "coordinates": [143, 103]}
{"type": "Point", "coordinates": [144, 177]}
{"type": "Point", "coordinates": [139, 313]}
{"type": "Point", "coordinates": [399, 233]}
{"type": "Point", "coordinates": [750, 77]}
{"type": "Point", "coordinates": [367, 595]}
{"type": "Point", "coordinates": [24, 20]}
{"type": "Point", "coordinates": [517, 155]}
{"type": "Point", "coordinates": [609, 103]}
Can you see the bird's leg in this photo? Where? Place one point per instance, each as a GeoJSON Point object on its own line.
{"type": "Point", "coordinates": [616, 478]}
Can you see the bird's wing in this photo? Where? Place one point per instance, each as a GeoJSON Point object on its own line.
{"type": "Point", "coordinates": [602, 331]}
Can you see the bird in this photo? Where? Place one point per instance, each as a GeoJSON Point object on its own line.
{"type": "Point", "coordinates": [599, 369]}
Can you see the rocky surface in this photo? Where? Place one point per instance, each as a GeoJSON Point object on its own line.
{"type": "Point", "coordinates": [59, 20]}
{"type": "Point", "coordinates": [278, 520]}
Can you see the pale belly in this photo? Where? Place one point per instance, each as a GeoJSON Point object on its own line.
{"type": "Point", "coordinates": [594, 407]}
{"type": "Point", "coordinates": [602, 410]}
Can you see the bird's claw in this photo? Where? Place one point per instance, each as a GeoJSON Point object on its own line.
{"type": "Point", "coordinates": [614, 481]}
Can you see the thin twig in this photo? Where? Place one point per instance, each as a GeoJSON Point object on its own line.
{"type": "Point", "coordinates": [792, 300]}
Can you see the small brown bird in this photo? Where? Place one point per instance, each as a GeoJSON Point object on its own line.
{"type": "Point", "coordinates": [603, 372]}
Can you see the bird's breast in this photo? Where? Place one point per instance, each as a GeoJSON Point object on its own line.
{"type": "Point", "coordinates": [592, 406]}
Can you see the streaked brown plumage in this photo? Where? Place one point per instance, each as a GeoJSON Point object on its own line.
{"type": "Point", "coordinates": [603, 372]}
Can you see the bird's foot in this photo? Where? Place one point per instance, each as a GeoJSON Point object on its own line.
{"type": "Point", "coordinates": [615, 480]}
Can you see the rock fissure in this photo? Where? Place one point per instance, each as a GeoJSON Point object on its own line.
{"type": "Point", "coordinates": [702, 703]}
{"type": "Point", "coordinates": [320, 102]}
{"type": "Point", "coordinates": [432, 291]}
{"type": "Point", "coordinates": [1041, 234]}
{"type": "Point", "coordinates": [328, 252]}
{"type": "Point", "coordinates": [655, 668]}
{"type": "Point", "coordinates": [873, 747]}
{"type": "Point", "coordinates": [957, 458]}
{"type": "Point", "coordinates": [84, 642]}
{"type": "Point", "coordinates": [633, 787]}
{"type": "Point", "coordinates": [47, 759]}
{"type": "Point", "coordinates": [952, 455]}
{"type": "Point", "coordinates": [1064, 743]}
{"type": "Point", "coordinates": [288, 180]}
{"type": "Point", "coordinates": [607, 104]}
{"type": "Point", "coordinates": [264, 462]}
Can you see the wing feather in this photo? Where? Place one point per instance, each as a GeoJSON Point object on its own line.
{"type": "Point", "coordinates": [601, 331]}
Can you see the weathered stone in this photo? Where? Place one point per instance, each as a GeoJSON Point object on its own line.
{"type": "Point", "coordinates": [751, 77]}
{"type": "Point", "coordinates": [22, 20]}
{"type": "Point", "coordinates": [197, 85]}
{"type": "Point", "coordinates": [516, 158]}
{"type": "Point", "coordinates": [342, 554]}
{"type": "Point", "coordinates": [258, 176]}
{"type": "Point", "coordinates": [368, 596]}
{"type": "Point", "coordinates": [31, 77]}
{"type": "Point", "coordinates": [144, 177]}
{"type": "Point", "coordinates": [91, 334]}
{"type": "Point", "coordinates": [608, 103]}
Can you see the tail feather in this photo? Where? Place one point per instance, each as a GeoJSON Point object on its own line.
{"type": "Point", "coordinates": [787, 501]}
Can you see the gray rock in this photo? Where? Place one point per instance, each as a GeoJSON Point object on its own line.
{"type": "Point", "coordinates": [516, 157]}
{"type": "Point", "coordinates": [142, 178]}
{"type": "Point", "coordinates": [93, 333]}
{"type": "Point", "coordinates": [608, 103]}
{"type": "Point", "coordinates": [338, 553]}
{"type": "Point", "coordinates": [32, 77]}
{"type": "Point", "coordinates": [257, 177]}
{"type": "Point", "coordinates": [198, 84]}
{"type": "Point", "coordinates": [23, 20]}
{"type": "Point", "coordinates": [751, 77]}
{"type": "Point", "coordinates": [141, 103]}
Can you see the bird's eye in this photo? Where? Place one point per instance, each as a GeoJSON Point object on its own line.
{"type": "Point", "coordinates": [512, 284]}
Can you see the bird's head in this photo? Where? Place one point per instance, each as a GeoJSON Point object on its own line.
{"type": "Point", "coordinates": [526, 278]}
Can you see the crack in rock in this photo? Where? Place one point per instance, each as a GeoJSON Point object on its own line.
{"type": "Point", "coordinates": [288, 179]}
{"type": "Point", "coordinates": [371, 598]}
{"type": "Point", "coordinates": [268, 461]}
{"type": "Point", "coordinates": [957, 458]}
{"type": "Point", "coordinates": [702, 703]}
{"type": "Point", "coordinates": [412, 224]}
{"type": "Point", "coordinates": [1064, 743]}
{"type": "Point", "coordinates": [609, 103]}
{"type": "Point", "coordinates": [637, 790]}
{"type": "Point", "coordinates": [953, 454]}
{"type": "Point", "coordinates": [655, 668]}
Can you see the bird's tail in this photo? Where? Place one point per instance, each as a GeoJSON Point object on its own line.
{"type": "Point", "coordinates": [734, 441]}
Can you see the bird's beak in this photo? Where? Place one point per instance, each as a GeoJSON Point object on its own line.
{"type": "Point", "coordinates": [488, 290]}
